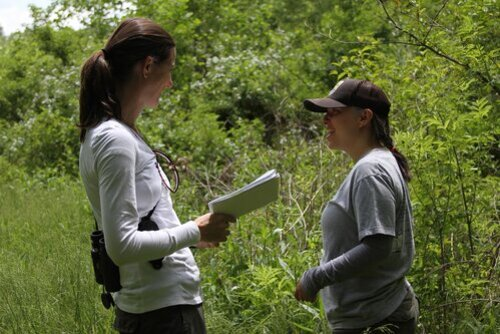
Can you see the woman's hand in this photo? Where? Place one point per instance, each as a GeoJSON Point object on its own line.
{"type": "Point", "coordinates": [214, 228]}
{"type": "Point", "coordinates": [302, 296]}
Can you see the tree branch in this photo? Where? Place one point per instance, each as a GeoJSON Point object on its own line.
{"type": "Point", "coordinates": [435, 50]}
{"type": "Point", "coordinates": [492, 301]}
{"type": "Point", "coordinates": [435, 19]}
{"type": "Point", "coordinates": [418, 41]}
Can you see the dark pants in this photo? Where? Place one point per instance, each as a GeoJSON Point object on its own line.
{"type": "Point", "coordinates": [178, 319]}
{"type": "Point", "coordinates": [401, 321]}
{"type": "Point", "coordinates": [384, 327]}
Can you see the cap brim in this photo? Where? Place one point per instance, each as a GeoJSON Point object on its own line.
{"type": "Point", "coordinates": [321, 105]}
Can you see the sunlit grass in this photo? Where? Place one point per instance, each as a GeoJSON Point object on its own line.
{"type": "Point", "coordinates": [46, 282]}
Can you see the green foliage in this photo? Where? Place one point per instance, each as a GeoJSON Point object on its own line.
{"type": "Point", "coordinates": [243, 69]}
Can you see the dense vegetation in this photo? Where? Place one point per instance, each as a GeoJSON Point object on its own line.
{"type": "Point", "coordinates": [243, 69]}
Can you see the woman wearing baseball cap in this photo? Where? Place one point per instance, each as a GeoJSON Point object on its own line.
{"type": "Point", "coordinates": [367, 226]}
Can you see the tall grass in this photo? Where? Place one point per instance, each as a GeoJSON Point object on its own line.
{"type": "Point", "coordinates": [46, 279]}
{"type": "Point", "coordinates": [47, 284]}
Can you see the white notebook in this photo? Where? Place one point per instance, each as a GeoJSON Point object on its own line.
{"type": "Point", "coordinates": [254, 195]}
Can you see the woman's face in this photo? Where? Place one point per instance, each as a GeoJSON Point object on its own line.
{"type": "Point", "coordinates": [159, 79]}
{"type": "Point", "coordinates": [342, 125]}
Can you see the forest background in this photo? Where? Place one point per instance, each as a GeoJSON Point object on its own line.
{"type": "Point", "coordinates": [243, 69]}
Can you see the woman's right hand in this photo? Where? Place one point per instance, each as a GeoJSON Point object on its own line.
{"type": "Point", "coordinates": [214, 227]}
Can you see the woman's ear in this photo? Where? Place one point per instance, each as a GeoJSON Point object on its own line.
{"type": "Point", "coordinates": [147, 66]}
{"type": "Point", "coordinates": [365, 117]}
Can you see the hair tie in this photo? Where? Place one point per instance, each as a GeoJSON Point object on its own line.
{"type": "Point", "coordinates": [393, 149]}
{"type": "Point", "coordinates": [104, 52]}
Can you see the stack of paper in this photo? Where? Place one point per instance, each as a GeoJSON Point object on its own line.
{"type": "Point", "coordinates": [254, 195]}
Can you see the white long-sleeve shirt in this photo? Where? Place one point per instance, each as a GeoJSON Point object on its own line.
{"type": "Point", "coordinates": [123, 184]}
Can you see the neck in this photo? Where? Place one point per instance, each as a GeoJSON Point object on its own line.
{"type": "Point", "coordinates": [130, 104]}
{"type": "Point", "coordinates": [360, 148]}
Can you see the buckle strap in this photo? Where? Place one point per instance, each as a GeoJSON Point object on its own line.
{"type": "Point", "coordinates": [148, 216]}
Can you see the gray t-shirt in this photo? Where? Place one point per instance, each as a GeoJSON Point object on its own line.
{"type": "Point", "coordinates": [373, 199]}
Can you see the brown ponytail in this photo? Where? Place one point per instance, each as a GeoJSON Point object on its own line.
{"type": "Point", "coordinates": [382, 131]}
{"type": "Point", "coordinates": [132, 41]}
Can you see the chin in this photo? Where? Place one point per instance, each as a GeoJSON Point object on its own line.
{"type": "Point", "coordinates": [332, 145]}
{"type": "Point", "coordinates": [153, 104]}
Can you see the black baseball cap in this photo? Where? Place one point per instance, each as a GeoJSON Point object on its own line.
{"type": "Point", "coordinates": [352, 92]}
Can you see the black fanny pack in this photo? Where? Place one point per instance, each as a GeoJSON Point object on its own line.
{"type": "Point", "coordinates": [106, 272]}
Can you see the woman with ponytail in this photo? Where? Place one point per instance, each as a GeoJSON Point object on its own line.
{"type": "Point", "coordinates": [367, 226]}
{"type": "Point", "coordinates": [125, 183]}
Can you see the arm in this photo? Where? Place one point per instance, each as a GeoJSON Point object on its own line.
{"type": "Point", "coordinates": [369, 253]}
{"type": "Point", "coordinates": [115, 155]}
{"type": "Point", "coordinates": [374, 208]}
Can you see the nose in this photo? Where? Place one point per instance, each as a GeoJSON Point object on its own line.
{"type": "Point", "coordinates": [169, 83]}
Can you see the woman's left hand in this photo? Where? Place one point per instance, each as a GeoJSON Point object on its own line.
{"type": "Point", "coordinates": [302, 296]}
